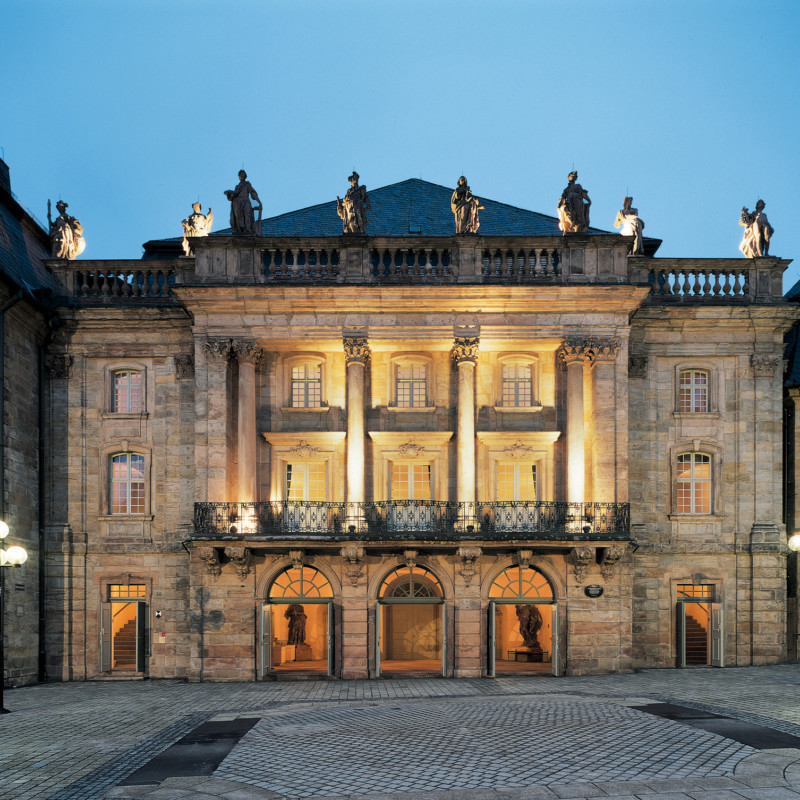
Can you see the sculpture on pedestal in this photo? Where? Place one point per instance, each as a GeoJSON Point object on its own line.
{"type": "Point", "coordinates": [530, 623]}
{"type": "Point", "coordinates": [628, 220]}
{"type": "Point", "coordinates": [66, 233]}
{"type": "Point", "coordinates": [573, 207]}
{"type": "Point", "coordinates": [242, 217]}
{"type": "Point", "coordinates": [297, 624]}
{"type": "Point", "coordinates": [757, 232]}
{"type": "Point", "coordinates": [353, 209]}
{"type": "Point", "coordinates": [465, 206]}
{"type": "Point", "coordinates": [196, 224]}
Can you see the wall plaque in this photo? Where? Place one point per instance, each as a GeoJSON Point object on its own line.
{"type": "Point", "coordinates": [593, 591]}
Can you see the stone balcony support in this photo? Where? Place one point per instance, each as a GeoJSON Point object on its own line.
{"type": "Point", "coordinates": [215, 416]}
{"type": "Point", "coordinates": [465, 355]}
{"type": "Point", "coordinates": [248, 355]}
{"type": "Point", "coordinates": [356, 350]}
{"type": "Point", "coordinates": [573, 353]}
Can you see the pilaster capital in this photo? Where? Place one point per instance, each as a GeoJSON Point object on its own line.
{"type": "Point", "coordinates": [637, 365]}
{"type": "Point", "coordinates": [58, 365]}
{"type": "Point", "coordinates": [465, 349]}
{"type": "Point", "coordinates": [574, 350]}
{"type": "Point", "coordinates": [218, 350]}
{"type": "Point", "coordinates": [246, 351]}
{"type": "Point", "coordinates": [603, 350]}
{"type": "Point", "coordinates": [356, 349]}
{"type": "Point", "coordinates": [764, 364]}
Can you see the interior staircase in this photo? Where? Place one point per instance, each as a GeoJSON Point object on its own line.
{"type": "Point", "coordinates": [696, 642]}
{"type": "Point", "coordinates": [125, 646]}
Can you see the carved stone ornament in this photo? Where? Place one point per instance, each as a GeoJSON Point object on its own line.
{"type": "Point", "coordinates": [58, 365]}
{"type": "Point", "coordinates": [184, 367]}
{"type": "Point", "coordinates": [465, 348]}
{"type": "Point", "coordinates": [241, 559]}
{"type": "Point", "coordinates": [217, 349]}
{"type": "Point", "coordinates": [524, 557]}
{"type": "Point", "coordinates": [603, 349]}
{"type": "Point", "coordinates": [609, 559]}
{"type": "Point", "coordinates": [410, 558]}
{"type": "Point", "coordinates": [356, 349]}
{"type": "Point", "coordinates": [246, 351]}
{"type": "Point", "coordinates": [764, 366]}
{"type": "Point", "coordinates": [592, 349]}
{"type": "Point", "coordinates": [518, 450]}
{"type": "Point", "coordinates": [304, 450]}
{"type": "Point", "coordinates": [353, 556]}
{"type": "Point", "coordinates": [411, 450]}
{"type": "Point", "coordinates": [581, 559]}
{"type": "Point", "coordinates": [297, 558]}
{"type": "Point", "coordinates": [574, 349]}
{"type": "Point", "coordinates": [637, 365]}
{"type": "Point", "coordinates": [468, 556]}
{"type": "Point", "coordinates": [209, 556]}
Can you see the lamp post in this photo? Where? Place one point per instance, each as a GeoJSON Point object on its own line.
{"type": "Point", "coordinates": [12, 557]}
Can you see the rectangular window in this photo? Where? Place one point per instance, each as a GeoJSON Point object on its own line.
{"type": "Point", "coordinates": [127, 484]}
{"type": "Point", "coordinates": [516, 482]}
{"type": "Point", "coordinates": [693, 484]}
{"type": "Point", "coordinates": [306, 483]}
{"type": "Point", "coordinates": [412, 386]}
{"type": "Point", "coordinates": [696, 590]}
{"type": "Point", "coordinates": [517, 391]}
{"type": "Point", "coordinates": [116, 590]}
{"type": "Point", "coordinates": [693, 392]}
{"type": "Point", "coordinates": [307, 386]}
{"type": "Point", "coordinates": [128, 392]}
{"type": "Point", "coordinates": [411, 482]}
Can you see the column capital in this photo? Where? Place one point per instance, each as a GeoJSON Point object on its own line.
{"type": "Point", "coordinates": [574, 349]}
{"type": "Point", "coordinates": [58, 365]}
{"type": "Point", "coordinates": [356, 349]}
{"type": "Point", "coordinates": [217, 349]}
{"type": "Point", "coordinates": [246, 351]}
{"type": "Point", "coordinates": [603, 350]}
{"type": "Point", "coordinates": [465, 349]}
{"type": "Point", "coordinates": [764, 364]}
{"type": "Point", "coordinates": [591, 349]}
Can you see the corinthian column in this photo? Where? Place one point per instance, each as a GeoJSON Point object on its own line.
{"type": "Point", "coordinates": [216, 353]}
{"type": "Point", "coordinates": [356, 354]}
{"type": "Point", "coordinates": [465, 355]}
{"type": "Point", "coordinates": [604, 420]}
{"type": "Point", "coordinates": [572, 353]}
{"type": "Point", "coordinates": [248, 354]}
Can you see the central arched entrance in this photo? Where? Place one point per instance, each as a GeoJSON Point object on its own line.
{"type": "Point", "coordinates": [297, 624]}
{"type": "Point", "coordinates": [410, 621]}
{"type": "Point", "coordinates": [522, 625]}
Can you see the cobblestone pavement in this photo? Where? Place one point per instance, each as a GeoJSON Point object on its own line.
{"type": "Point", "coordinates": [411, 739]}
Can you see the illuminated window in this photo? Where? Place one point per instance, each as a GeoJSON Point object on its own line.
{"type": "Point", "coordinates": [517, 390]}
{"type": "Point", "coordinates": [693, 391]}
{"type": "Point", "coordinates": [693, 484]}
{"type": "Point", "coordinates": [411, 382]}
{"type": "Point", "coordinates": [411, 482]}
{"type": "Point", "coordinates": [306, 482]}
{"type": "Point", "coordinates": [307, 386]}
{"type": "Point", "coordinates": [122, 590]}
{"type": "Point", "coordinates": [696, 591]}
{"type": "Point", "coordinates": [411, 582]}
{"type": "Point", "coordinates": [516, 482]}
{"type": "Point", "coordinates": [127, 484]}
{"type": "Point", "coordinates": [521, 582]}
{"type": "Point", "coordinates": [301, 581]}
{"type": "Point", "coordinates": [128, 396]}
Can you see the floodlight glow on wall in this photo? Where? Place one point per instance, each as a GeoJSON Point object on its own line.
{"type": "Point", "coordinates": [794, 542]}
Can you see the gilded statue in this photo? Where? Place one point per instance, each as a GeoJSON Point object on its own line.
{"type": "Point", "coordinates": [757, 232]}
{"type": "Point", "coordinates": [66, 233]}
{"type": "Point", "coordinates": [353, 209]}
{"type": "Point", "coordinates": [242, 216]}
{"type": "Point", "coordinates": [196, 224]}
{"type": "Point", "coordinates": [465, 206]}
{"type": "Point", "coordinates": [628, 219]}
{"type": "Point", "coordinates": [573, 207]}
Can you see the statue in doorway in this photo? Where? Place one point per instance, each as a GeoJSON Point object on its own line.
{"type": "Point", "coordinates": [297, 624]}
{"type": "Point", "coordinates": [530, 623]}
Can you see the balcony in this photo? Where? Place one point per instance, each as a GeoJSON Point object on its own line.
{"type": "Point", "coordinates": [408, 520]}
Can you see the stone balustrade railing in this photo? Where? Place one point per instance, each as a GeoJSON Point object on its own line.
{"type": "Point", "coordinates": [116, 281]}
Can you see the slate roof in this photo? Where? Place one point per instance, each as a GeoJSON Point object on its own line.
{"type": "Point", "coordinates": [23, 245]}
{"type": "Point", "coordinates": [409, 208]}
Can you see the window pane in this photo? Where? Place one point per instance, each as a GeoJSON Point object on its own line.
{"type": "Point", "coordinates": [127, 484]}
{"type": "Point", "coordinates": [693, 392]}
{"type": "Point", "coordinates": [307, 386]}
{"type": "Point", "coordinates": [693, 484]}
{"type": "Point", "coordinates": [517, 389]}
{"type": "Point", "coordinates": [412, 385]}
{"type": "Point", "coordinates": [128, 392]}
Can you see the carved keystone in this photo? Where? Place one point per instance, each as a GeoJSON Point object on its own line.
{"type": "Point", "coordinates": [524, 557]}
{"type": "Point", "coordinates": [468, 556]}
{"type": "Point", "coordinates": [297, 558]}
{"type": "Point", "coordinates": [410, 557]}
{"type": "Point", "coordinates": [353, 556]}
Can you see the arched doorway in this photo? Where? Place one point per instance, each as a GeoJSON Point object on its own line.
{"type": "Point", "coordinates": [410, 620]}
{"type": "Point", "coordinates": [522, 625]}
{"type": "Point", "coordinates": [296, 636]}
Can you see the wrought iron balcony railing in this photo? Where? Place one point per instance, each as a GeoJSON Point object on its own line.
{"type": "Point", "coordinates": [412, 519]}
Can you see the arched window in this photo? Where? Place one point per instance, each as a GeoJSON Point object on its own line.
{"type": "Point", "coordinates": [301, 582]}
{"type": "Point", "coordinates": [127, 483]}
{"type": "Point", "coordinates": [693, 483]}
{"type": "Point", "coordinates": [411, 582]}
{"type": "Point", "coordinates": [521, 583]}
{"type": "Point", "coordinates": [127, 397]}
{"type": "Point", "coordinates": [693, 386]}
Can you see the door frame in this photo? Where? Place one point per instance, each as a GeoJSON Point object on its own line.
{"type": "Point", "coordinates": [265, 631]}
{"type": "Point", "coordinates": [107, 634]}
{"type": "Point", "coordinates": [416, 601]}
{"type": "Point", "coordinates": [491, 627]}
{"type": "Point", "coordinates": [715, 653]}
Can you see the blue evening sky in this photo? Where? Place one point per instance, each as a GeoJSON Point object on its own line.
{"type": "Point", "coordinates": [131, 111]}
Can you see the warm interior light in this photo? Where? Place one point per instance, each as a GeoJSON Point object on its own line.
{"type": "Point", "coordinates": [16, 555]}
{"type": "Point", "coordinates": [794, 542]}
{"type": "Point", "coordinates": [3, 529]}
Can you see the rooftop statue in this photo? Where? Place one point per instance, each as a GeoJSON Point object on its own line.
{"type": "Point", "coordinates": [465, 206]}
{"type": "Point", "coordinates": [353, 209]}
{"type": "Point", "coordinates": [757, 232]}
{"type": "Point", "coordinates": [66, 233]}
{"type": "Point", "coordinates": [242, 217]}
{"type": "Point", "coordinates": [573, 207]}
{"type": "Point", "coordinates": [196, 224]}
{"type": "Point", "coordinates": [628, 220]}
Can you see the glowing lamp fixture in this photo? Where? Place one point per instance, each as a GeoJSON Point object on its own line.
{"type": "Point", "coordinates": [794, 542]}
{"type": "Point", "coordinates": [15, 556]}
{"type": "Point", "coordinates": [3, 529]}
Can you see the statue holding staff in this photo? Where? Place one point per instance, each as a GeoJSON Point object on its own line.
{"type": "Point", "coordinates": [353, 209]}
{"type": "Point", "coordinates": [66, 233]}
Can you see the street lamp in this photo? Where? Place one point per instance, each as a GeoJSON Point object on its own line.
{"type": "Point", "coordinates": [794, 542]}
{"type": "Point", "coordinates": [12, 557]}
